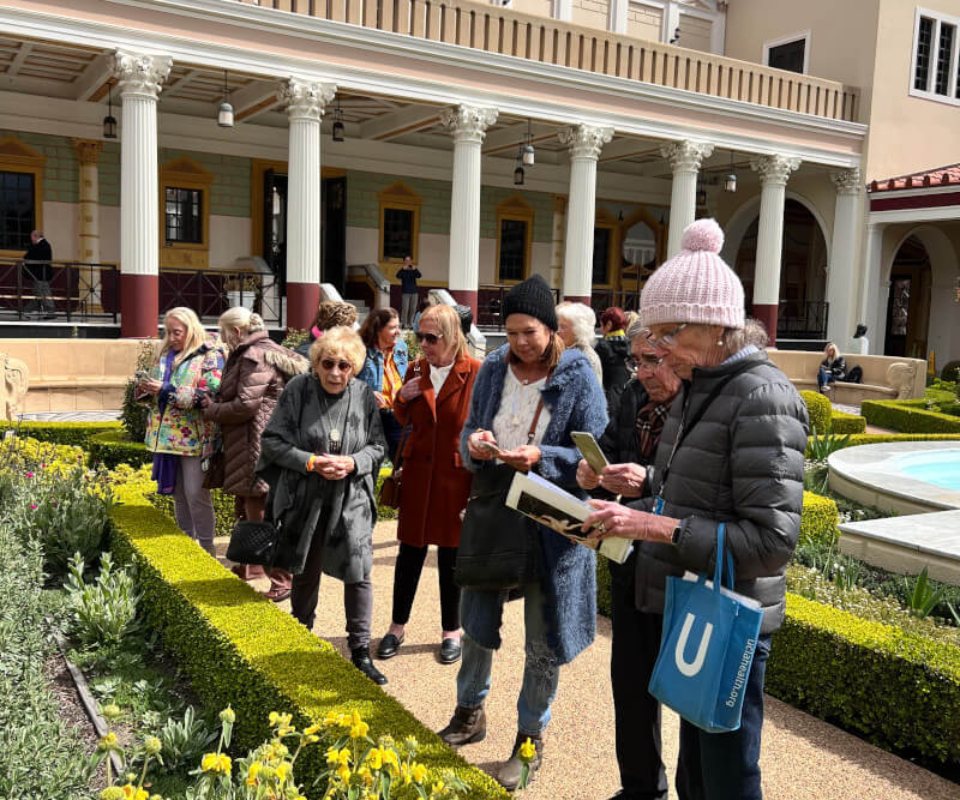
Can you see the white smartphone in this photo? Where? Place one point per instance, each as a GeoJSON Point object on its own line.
{"type": "Point", "coordinates": [590, 450]}
{"type": "Point", "coordinates": [490, 446]}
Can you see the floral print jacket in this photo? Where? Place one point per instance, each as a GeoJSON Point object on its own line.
{"type": "Point", "coordinates": [181, 429]}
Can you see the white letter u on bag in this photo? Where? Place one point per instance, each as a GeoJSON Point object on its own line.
{"type": "Point", "coordinates": [688, 668]}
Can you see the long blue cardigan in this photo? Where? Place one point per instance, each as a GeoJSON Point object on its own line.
{"type": "Point", "coordinates": [576, 402]}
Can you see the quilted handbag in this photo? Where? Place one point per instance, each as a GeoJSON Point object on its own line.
{"type": "Point", "coordinates": [253, 543]}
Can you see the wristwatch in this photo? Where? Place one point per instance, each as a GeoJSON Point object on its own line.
{"type": "Point", "coordinates": [675, 536]}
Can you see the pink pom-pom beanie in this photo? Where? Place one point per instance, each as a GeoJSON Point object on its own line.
{"type": "Point", "coordinates": [695, 285]}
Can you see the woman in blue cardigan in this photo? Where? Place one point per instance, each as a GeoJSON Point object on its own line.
{"type": "Point", "coordinates": [560, 607]}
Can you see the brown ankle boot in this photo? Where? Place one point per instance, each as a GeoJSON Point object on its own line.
{"type": "Point", "coordinates": [512, 769]}
{"type": "Point", "coordinates": [467, 726]}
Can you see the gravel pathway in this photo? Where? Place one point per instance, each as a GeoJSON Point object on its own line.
{"type": "Point", "coordinates": [803, 758]}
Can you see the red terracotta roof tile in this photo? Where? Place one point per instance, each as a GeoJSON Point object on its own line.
{"type": "Point", "coordinates": [942, 176]}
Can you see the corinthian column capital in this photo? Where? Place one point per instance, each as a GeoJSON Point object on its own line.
{"type": "Point", "coordinates": [585, 141]}
{"type": "Point", "coordinates": [775, 170]}
{"type": "Point", "coordinates": [139, 73]}
{"type": "Point", "coordinates": [305, 99]}
{"type": "Point", "coordinates": [88, 150]}
{"type": "Point", "coordinates": [468, 123]}
{"type": "Point", "coordinates": [847, 181]}
{"type": "Point", "coordinates": [686, 156]}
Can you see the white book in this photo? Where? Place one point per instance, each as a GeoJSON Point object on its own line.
{"type": "Point", "coordinates": [546, 503]}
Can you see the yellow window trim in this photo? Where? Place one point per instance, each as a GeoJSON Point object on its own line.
{"type": "Point", "coordinates": [185, 173]}
{"type": "Point", "coordinates": [400, 197]}
{"type": "Point", "coordinates": [515, 208]}
{"type": "Point", "coordinates": [18, 156]}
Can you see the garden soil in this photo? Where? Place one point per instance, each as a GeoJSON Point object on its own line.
{"type": "Point", "coordinates": [802, 758]}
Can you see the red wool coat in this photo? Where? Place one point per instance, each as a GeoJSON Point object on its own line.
{"type": "Point", "coordinates": [435, 483]}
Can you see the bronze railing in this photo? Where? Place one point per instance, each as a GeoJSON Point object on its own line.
{"type": "Point", "coordinates": [58, 290]}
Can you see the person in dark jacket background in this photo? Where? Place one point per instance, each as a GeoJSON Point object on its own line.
{"type": "Point", "coordinates": [739, 460]}
{"type": "Point", "coordinates": [832, 368]}
{"type": "Point", "coordinates": [613, 349]}
{"type": "Point", "coordinates": [409, 294]}
{"type": "Point", "coordinates": [37, 266]}
{"type": "Point", "coordinates": [253, 378]}
{"type": "Point", "coordinates": [630, 444]}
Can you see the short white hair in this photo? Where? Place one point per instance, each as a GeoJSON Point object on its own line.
{"type": "Point", "coordinates": [582, 319]}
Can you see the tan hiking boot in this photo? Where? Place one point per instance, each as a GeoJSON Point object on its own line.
{"type": "Point", "coordinates": [512, 769]}
{"type": "Point", "coordinates": [467, 726]}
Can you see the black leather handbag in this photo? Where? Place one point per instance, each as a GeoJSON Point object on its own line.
{"type": "Point", "coordinates": [253, 543]}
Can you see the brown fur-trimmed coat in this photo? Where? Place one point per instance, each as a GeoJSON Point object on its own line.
{"type": "Point", "coordinates": [254, 377]}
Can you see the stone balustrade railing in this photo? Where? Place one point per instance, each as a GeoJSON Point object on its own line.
{"type": "Point", "coordinates": [500, 30]}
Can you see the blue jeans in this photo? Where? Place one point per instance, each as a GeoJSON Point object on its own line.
{"type": "Point", "coordinates": [726, 766]}
{"type": "Point", "coordinates": [824, 377]}
{"type": "Point", "coordinates": [541, 672]}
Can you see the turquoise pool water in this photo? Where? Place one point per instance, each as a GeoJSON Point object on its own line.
{"type": "Point", "coordinates": [939, 468]}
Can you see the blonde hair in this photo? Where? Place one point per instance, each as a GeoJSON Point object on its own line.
{"type": "Point", "coordinates": [836, 350]}
{"type": "Point", "coordinates": [582, 319]}
{"type": "Point", "coordinates": [195, 337]}
{"type": "Point", "coordinates": [448, 321]}
{"type": "Point", "coordinates": [340, 339]}
{"type": "Point", "coordinates": [242, 318]}
{"type": "Point", "coordinates": [334, 313]}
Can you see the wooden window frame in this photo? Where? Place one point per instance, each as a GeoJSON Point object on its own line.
{"type": "Point", "coordinates": [400, 197]}
{"type": "Point", "coordinates": [515, 208]}
{"type": "Point", "coordinates": [607, 221]}
{"type": "Point", "coordinates": [18, 156]}
{"type": "Point", "coordinates": [185, 173]}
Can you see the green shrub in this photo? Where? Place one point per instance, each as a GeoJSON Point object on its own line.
{"type": "Point", "coordinates": [105, 609]}
{"type": "Point", "coordinates": [899, 690]}
{"type": "Point", "coordinates": [819, 409]}
{"type": "Point", "coordinates": [111, 449]}
{"type": "Point", "coordinates": [951, 407]}
{"type": "Point", "coordinates": [133, 414]}
{"type": "Point", "coordinates": [841, 423]}
{"type": "Point", "coordinates": [908, 416]}
{"type": "Point", "coordinates": [818, 522]}
{"type": "Point", "coordinates": [294, 338]}
{"type": "Point", "coordinates": [604, 589]}
{"type": "Point", "coordinates": [239, 649]}
{"type": "Point", "coordinates": [951, 371]}
{"type": "Point", "coordinates": [77, 434]}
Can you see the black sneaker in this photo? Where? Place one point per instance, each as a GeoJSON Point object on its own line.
{"type": "Point", "coordinates": [361, 660]}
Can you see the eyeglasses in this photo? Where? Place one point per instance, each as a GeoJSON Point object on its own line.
{"type": "Point", "coordinates": [644, 364]}
{"type": "Point", "coordinates": [429, 338]}
{"type": "Point", "coordinates": [328, 364]}
{"type": "Point", "coordinates": [668, 340]}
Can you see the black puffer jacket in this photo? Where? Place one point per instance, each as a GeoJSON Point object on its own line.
{"type": "Point", "coordinates": [612, 351]}
{"type": "Point", "coordinates": [742, 463]}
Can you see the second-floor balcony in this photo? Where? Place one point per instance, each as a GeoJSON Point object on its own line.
{"type": "Point", "coordinates": [499, 30]}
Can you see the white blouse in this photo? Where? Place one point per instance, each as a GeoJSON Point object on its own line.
{"type": "Point", "coordinates": [438, 375]}
{"type": "Point", "coordinates": [518, 404]}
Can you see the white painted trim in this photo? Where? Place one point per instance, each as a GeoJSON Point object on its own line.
{"type": "Point", "coordinates": [943, 214]}
{"type": "Point", "coordinates": [794, 37]}
{"type": "Point", "coordinates": [939, 18]}
{"type": "Point", "coordinates": [563, 10]}
{"type": "Point", "coordinates": [617, 22]}
{"type": "Point", "coordinates": [31, 24]}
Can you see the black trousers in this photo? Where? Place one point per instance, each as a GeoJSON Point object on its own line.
{"type": "Point", "coordinates": [406, 578]}
{"type": "Point", "coordinates": [636, 642]}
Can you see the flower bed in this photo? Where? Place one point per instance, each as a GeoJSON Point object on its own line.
{"type": "Point", "coordinates": [908, 416]}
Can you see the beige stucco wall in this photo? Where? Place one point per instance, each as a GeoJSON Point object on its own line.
{"type": "Point", "coordinates": [695, 32]}
{"type": "Point", "coordinates": [907, 134]}
{"type": "Point", "coordinates": [591, 13]}
{"type": "Point", "coordinates": [644, 22]}
{"type": "Point", "coordinates": [540, 8]}
{"type": "Point", "coordinates": [842, 35]}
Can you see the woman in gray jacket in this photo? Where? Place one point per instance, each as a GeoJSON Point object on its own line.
{"type": "Point", "coordinates": [732, 451]}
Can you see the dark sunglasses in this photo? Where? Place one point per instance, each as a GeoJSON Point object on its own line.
{"type": "Point", "coordinates": [429, 338]}
{"type": "Point", "coordinates": [328, 364]}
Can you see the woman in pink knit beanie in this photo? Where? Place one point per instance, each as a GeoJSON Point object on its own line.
{"type": "Point", "coordinates": [731, 451]}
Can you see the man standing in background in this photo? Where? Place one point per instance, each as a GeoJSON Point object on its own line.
{"type": "Point", "coordinates": [409, 296]}
{"type": "Point", "coordinates": [37, 267]}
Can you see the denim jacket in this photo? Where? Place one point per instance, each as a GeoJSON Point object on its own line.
{"type": "Point", "coordinates": [372, 372]}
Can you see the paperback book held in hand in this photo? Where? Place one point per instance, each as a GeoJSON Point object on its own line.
{"type": "Point", "coordinates": [544, 502]}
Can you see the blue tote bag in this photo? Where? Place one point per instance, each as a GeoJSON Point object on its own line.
{"type": "Point", "coordinates": [706, 649]}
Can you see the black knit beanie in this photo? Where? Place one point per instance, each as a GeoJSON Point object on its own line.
{"type": "Point", "coordinates": [534, 298]}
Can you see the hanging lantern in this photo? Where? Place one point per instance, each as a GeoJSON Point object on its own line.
{"type": "Point", "coordinates": [110, 121]}
{"type": "Point", "coordinates": [338, 127]}
{"type": "Point", "coordinates": [225, 114]}
{"type": "Point", "coordinates": [518, 175]}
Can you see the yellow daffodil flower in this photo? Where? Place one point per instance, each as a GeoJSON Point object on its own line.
{"type": "Point", "coordinates": [343, 773]}
{"type": "Point", "coordinates": [418, 772]}
{"type": "Point", "coordinates": [528, 750]}
{"type": "Point", "coordinates": [283, 770]}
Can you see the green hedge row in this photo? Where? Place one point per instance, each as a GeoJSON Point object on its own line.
{"type": "Point", "coordinates": [842, 423]}
{"type": "Point", "coordinates": [239, 649]}
{"type": "Point", "coordinates": [908, 416]}
{"type": "Point", "coordinates": [899, 690]}
{"type": "Point", "coordinates": [72, 433]}
{"type": "Point", "coordinates": [110, 449]}
{"type": "Point", "coordinates": [818, 409]}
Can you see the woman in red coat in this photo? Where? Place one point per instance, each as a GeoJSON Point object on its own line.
{"type": "Point", "coordinates": [434, 402]}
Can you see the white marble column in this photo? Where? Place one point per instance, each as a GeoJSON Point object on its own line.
{"type": "Point", "coordinates": [584, 143]}
{"type": "Point", "coordinates": [88, 219]}
{"type": "Point", "coordinates": [774, 172]}
{"type": "Point", "coordinates": [842, 277]}
{"type": "Point", "coordinates": [139, 79]}
{"type": "Point", "coordinates": [685, 159]}
{"type": "Point", "coordinates": [874, 293]}
{"type": "Point", "coordinates": [305, 102]}
{"type": "Point", "coordinates": [468, 126]}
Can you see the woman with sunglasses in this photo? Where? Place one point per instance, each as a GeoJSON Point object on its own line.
{"type": "Point", "coordinates": [384, 368]}
{"type": "Point", "coordinates": [320, 455]}
{"type": "Point", "coordinates": [434, 403]}
{"type": "Point", "coordinates": [732, 451]}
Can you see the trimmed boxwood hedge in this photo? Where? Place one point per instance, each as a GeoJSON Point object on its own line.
{"type": "Point", "coordinates": [908, 416]}
{"type": "Point", "coordinates": [819, 410]}
{"type": "Point", "coordinates": [899, 690]}
{"type": "Point", "coordinates": [239, 649]}
{"type": "Point", "coordinates": [74, 433]}
{"type": "Point", "coordinates": [842, 423]}
{"type": "Point", "coordinates": [111, 448]}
